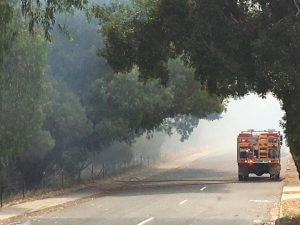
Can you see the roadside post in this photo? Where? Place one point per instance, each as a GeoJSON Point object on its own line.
{"type": "Point", "coordinates": [93, 172]}
{"type": "Point", "coordinates": [103, 170]}
{"type": "Point", "coordinates": [1, 196]}
{"type": "Point", "coordinates": [62, 178]}
{"type": "Point", "coordinates": [23, 189]}
{"type": "Point", "coordinates": [43, 180]}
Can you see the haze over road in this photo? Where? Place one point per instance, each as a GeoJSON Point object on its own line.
{"type": "Point", "coordinates": [194, 202]}
{"type": "Point", "coordinates": [251, 112]}
{"type": "Point", "coordinates": [180, 193]}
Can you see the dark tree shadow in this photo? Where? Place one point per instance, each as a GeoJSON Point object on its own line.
{"type": "Point", "coordinates": [288, 221]}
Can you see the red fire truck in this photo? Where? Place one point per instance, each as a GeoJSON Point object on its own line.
{"type": "Point", "coordinates": [258, 152]}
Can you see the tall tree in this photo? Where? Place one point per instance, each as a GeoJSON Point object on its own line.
{"type": "Point", "coordinates": [74, 60]}
{"type": "Point", "coordinates": [6, 31]}
{"type": "Point", "coordinates": [234, 46]}
{"type": "Point", "coordinates": [24, 88]}
{"type": "Point", "coordinates": [23, 96]}
{"type": "Point", "coordinates": [122, 107]}
{"type": "Point", "coordinates": [69, 126]}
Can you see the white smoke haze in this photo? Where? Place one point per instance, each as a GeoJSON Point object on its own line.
{"type": "Point", "coordinates": [250, 112]}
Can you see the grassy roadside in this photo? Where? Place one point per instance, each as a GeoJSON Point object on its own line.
{"type": "Point", "coordinates": [49, 192]}
{"type": "Point", "coordinates": [291, 206]}
{"type": "Point", "coordinates": [139, 172]}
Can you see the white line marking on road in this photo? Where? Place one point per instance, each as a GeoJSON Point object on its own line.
{"type": "Point", "coordinates": [20, 223]}
{"type": "Point", "coordinates": [202, 189]}
{"type": "Point", "coordinates": [259, 201]}
{"type": "Point", "coordinates": [257, 221]}
{"type": "Point", "coordinates": [146, 221]}
{"type": "Point", "coordinates": [181, 203]}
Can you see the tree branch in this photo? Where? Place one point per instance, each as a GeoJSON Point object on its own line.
{"type": "Point", "coordinates": [297, 6]}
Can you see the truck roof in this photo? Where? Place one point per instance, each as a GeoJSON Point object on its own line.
{"type": "Point", "coordinates": [253, 133]}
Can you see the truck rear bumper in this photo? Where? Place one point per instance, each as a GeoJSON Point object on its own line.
{"type": "Point", "coordinates": [259, 168]}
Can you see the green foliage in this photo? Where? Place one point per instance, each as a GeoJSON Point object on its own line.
{"type": "Point", "coordinates": [6, 33]}
{"type": "Point", "coordinates": [75, 62]}
{"type": "Point", "coordinates": [32, 163]}
{"type": "Point", "coordinates": [69, 126]}
{"type": "Point", "coordinates": [45, 14]}
{"type": "Point", "coordinates": [214, 44]}
{"type": "Point", "coordinates": [24, 88]}
{"type": "Point", "coordinates": [122, 107]}
{"type": "Point", "coordinates": [234, 46]}
{"type": "Point", "coordinates": [278, 52]}
{"type": "Point", "coordinates": [44, 124]}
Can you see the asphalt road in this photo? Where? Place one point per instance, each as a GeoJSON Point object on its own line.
{"type": "Point", "coordinates": [180, 196]}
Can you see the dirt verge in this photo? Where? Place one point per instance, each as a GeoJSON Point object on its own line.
{"type": "Point", "coordinates": [290, 201]}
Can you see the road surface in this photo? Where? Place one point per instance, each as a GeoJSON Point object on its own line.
{"type": "Point", "coordinates": [180, 196]}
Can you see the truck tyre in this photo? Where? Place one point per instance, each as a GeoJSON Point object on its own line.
{"type": "Point", "coordinates": [241, 177]}
{"type": "Point", "coordinates": [274, 177]}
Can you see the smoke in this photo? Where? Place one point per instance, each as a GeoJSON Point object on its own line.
{"type": "Point", "coordinates": [219, 136]}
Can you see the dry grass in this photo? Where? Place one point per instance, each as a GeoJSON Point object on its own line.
{"type": "Point", "coordinates": [49, 192]}
{"type": "Point", "coordinates": [83, 184]}
{"type": "Point", "coordinates": [44, 193]}
{"type": "Point", "coordinates": [291, 207]}
{"type": "Point", "coordinates": [291, 212]}
{"type": "Point", "coordinates": [291, 177]}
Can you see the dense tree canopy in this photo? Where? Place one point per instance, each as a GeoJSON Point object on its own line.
{"type": "Point", "coordinates": [122, 108]}
{"type": "Point", "coordinates": [69, 126]}
{"type": "Point", "coordinates": [234, 46]}
{"type": "Point", "coordinates": [23, 100]}
{"type": "Point", "coordinates": [24, 88]}
{"type": "Point", "coordinates": [58, 112]}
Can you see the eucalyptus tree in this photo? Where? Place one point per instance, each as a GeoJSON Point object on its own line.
{"type": "Point", "coordinates": [123, 108]}
{"type": "Point", "coordinates": [24, 101]}
{"type": "Point", "coordinates": [234, 46]}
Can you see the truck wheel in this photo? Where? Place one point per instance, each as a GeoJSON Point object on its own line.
{"type": "Point", "coordinates": [274, 177]}
{"type": "Point", "coordinates": [243, 177]}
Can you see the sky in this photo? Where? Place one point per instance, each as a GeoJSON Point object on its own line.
{"type": "Point", "coordinates": [250, 112]}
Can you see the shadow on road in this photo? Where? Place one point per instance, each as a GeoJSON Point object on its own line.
{"type": "Point", "coordinates": [185, 180]}
{"type": "Point", "coordinates": [190, 174]}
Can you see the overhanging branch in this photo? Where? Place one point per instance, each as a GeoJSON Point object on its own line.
{"type": "Point", "coordinates": [297, 6]}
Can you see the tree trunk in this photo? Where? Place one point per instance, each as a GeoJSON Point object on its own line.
{"type": "Point", "coordinates": [296, 159]}
{"type": "Point", "coordinates": [1, 174]}
{"type": "Point", "coordinates": [291, 106]}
